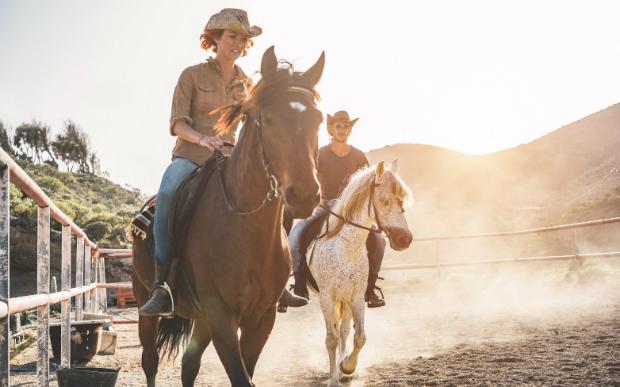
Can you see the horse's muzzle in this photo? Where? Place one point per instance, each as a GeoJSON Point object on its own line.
{"type": "Point", "coordinates": [301, 199]}
{"type": "Point", "coordinates": [400, 239]}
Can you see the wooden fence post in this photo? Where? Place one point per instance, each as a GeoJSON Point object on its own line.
{"type": "Point", "coordinates": [88, 260]}
{"type": "Point", "coordinates": [65, 283]}
{"type": "Point", "coordinates": [576, 249]}
{"type": "Point", "coordinates": [79, 276]}
{"type": "Point", "coordinates": [5, 219]}
{"type": "Point", "coordinates": [104, 293]}
{"type": "Point", "coordinates": [43, 287]}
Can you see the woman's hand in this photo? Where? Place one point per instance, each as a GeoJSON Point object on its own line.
{"type": "Point", "coordinates": [212, 143]}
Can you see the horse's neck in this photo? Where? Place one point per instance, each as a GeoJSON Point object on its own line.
{"type": "Point", "coordinates": [245, 178]}
{"type": "Point", "coordinates": [353, 239]}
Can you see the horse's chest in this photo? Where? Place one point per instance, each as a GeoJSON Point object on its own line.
{"type": "Point", "coordinates": [341, 275]}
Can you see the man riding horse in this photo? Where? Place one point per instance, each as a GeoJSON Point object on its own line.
{"type": "Point", "coordinates": [338, 161]}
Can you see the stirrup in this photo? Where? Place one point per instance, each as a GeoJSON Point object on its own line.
{"type": "Point", "coordinates": [164, 286]}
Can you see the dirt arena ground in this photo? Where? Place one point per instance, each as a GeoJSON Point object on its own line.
{"type": "Point", "coordinates": [510, 329]}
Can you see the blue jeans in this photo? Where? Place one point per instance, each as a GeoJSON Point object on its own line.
{"type": "Point", "coordinates": [178, 170]}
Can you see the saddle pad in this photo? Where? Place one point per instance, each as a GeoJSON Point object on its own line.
{"type": "Point", "coordinates": [140, 224]}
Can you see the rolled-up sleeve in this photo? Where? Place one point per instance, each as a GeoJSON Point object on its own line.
{"type": "Point", "coordinates": [182, 100]}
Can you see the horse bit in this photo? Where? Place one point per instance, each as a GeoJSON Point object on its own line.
{"type": "Point", "coordinates": [271, 177]}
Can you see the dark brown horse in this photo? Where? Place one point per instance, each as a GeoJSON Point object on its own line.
{"type": "Point", "coordinates": [239, 265]}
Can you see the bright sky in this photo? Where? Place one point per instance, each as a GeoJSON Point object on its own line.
{"type": "Point", "coordinates": [472, 76]}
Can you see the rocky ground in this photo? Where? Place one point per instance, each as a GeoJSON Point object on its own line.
{"type": "Point", "coordinates": [457, 333]}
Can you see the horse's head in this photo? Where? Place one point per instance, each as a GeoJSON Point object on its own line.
{"type": "Point", "coordinates": [376, 195]}
{"type": "Point", "coordinates": [391, 198]}
{"type": "Point", "coordinates": [283, 116]}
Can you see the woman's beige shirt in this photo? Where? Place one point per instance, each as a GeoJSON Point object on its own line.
{"type": "Point", "coordinates": [199, 92]}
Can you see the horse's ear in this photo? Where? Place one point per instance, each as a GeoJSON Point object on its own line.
{"type": "Point", "coordinates": [314, 73]}
{"type": "Point", "coordinates": [394, 167]}
{"type": "Point", "coordinates": [380, 170]}
{"type": "Point", "coordinates": [270, 62]}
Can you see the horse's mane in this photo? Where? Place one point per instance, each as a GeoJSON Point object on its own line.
{"type": "Point", "coordinates": [357, 192]}
{"type": "Point", "coordinates": [268, 88]}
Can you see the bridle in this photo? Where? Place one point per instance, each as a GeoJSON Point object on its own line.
{"type": "Point", "coordinates": [271, 177]}
{"type": "Point", "coordinates": [371, 202]}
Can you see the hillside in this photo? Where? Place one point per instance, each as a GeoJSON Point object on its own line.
{"type": "Point", "coordinates": [571, 174]}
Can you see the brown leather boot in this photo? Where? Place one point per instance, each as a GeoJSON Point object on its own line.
{"type": "Point", "coordinates": [289, 299]}
{"type": "Point", "coordinates": [161, 302]}
{"type": "Point", "coordinates": [372, 300]}
{"type": "Point", "coordinates": [301, 285]}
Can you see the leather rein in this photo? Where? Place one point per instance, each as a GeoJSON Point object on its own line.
{"type": "Point", "coordinates": [371, 202]}
{"type": "Point", "coordinates": [273, 181]}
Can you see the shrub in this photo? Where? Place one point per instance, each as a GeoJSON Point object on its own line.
{"type": "Point", "coordinates": [50, 185]}
{"type": "Point", "coordinates": [97, 231]}
{"type": "Point", "coordinates": [67, 209]}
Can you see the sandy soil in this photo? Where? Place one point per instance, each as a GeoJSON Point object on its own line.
{"type": "Point", "coordinates": [457, 333]}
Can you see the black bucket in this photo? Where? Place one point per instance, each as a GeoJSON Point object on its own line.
{"type": "Point", "coordinates": [86, 376]}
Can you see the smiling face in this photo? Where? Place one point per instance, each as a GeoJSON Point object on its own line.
{"type": "Point", "coordinates": [231, 44]}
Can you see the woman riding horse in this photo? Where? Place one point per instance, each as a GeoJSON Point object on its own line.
{"type": "Point", "coordinates": [200, 91]}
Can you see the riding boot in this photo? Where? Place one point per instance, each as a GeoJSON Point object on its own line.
{"type": "Point", "coordinates": [289, 299]}
{"type": "Point", "coordinates": [373, 300]}
{"type": "Point", "coordinates": [301, 285]}
{"type": "Point", "coordinates": [162, 300]}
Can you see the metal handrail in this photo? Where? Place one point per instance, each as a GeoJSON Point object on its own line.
{"type": "Point", "coordinates": [86, 257]}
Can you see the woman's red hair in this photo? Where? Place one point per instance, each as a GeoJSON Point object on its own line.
{"type": "Point", "coordinates": [207, 41]}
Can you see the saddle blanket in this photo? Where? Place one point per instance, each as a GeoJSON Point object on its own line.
{"type": "Point", "coordinates": [140, 224]}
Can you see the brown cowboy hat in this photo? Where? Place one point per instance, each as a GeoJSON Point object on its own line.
{"type": "Point", "coordinates": [341, 116]}
{"type": "Point", "coordinates": [234, 20]}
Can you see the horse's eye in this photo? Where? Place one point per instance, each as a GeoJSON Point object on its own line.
{"type": "Point", "coordinates": [401, 204]}
{"type": "Point", "coordinates": [267, 120]}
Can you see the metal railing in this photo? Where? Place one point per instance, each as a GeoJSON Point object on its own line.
{"type": "Point", "coordinates": [576, 256]}
{"type": "Point", "coordinates": [11, 172]}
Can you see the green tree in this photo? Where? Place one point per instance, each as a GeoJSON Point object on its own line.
{"type": "Point", "coordinates": [73, 147]}
{"type": "Point", "coordinates": [6, 139]}
{"type": "Point", "coordinates": [33, 140]}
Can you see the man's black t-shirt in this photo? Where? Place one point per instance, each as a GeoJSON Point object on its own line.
{"type": "Point", "coordinates": [334, 171]}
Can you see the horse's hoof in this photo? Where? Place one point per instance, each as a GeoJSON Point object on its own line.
{"type": "Point", "coordinates": [344, 371]}
{"type": "Point", "coordinates": [334, 384]}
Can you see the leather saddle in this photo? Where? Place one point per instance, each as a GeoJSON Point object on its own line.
{"type": "Point", "coordinates": [308, 236]}
{"type": "Point", "coordinates": [184, 203]}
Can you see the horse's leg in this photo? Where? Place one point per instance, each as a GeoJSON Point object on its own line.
{"type": "Point", "coordinates": [349, 363]}
{"type": "Point", "coordinates": [253, 340]}
{"type": "Point", "coordinates": [224, 327]}
{"type": "Point", "coordinates": [345, 329]}
{"type": "Point", "coordinates": [147, 331]}
{"type": "Point", "coordinates": [331, 341]}
{"type": "Point", "coordinates": [201, 337]}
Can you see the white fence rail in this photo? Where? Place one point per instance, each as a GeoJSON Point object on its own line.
{"type": "Point", "coordinates": [11, 172]}
{"type": "Point", "coordinates": [575, 256]}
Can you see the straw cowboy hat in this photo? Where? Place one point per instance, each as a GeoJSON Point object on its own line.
{"type": "Point", "coordinates": [234, 20]}
{"type": "Point", "coordinates": [341, 116]}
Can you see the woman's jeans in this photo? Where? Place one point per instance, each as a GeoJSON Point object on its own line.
{"type": "Point", "coordinates": [375, 244]}
{"type": "Point", "coordinates": [178, 170]}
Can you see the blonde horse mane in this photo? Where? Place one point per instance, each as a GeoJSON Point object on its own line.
{"type": "Point", "coordinates": [353, 198]}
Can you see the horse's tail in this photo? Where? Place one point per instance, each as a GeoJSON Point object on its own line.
{"type": "Point", "coordinates": [340, 309]}
{"type": "Point", "coordinates": [172, 334]}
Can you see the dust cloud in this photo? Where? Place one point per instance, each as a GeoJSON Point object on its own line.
{"type": "Point", "coordinates": [426, 316]}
